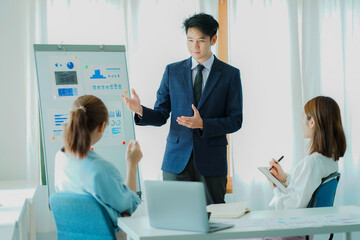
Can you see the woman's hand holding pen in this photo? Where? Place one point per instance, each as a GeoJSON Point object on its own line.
{"type": "Point", "coordinates": [277, 171]}
{"type": "Point", "coordinates": [133, 153]}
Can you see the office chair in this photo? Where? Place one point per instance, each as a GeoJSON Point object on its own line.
{"type": "Point", "coordinates": [80, 217]}
{"type": "Point", "coordinates": [324, 195]}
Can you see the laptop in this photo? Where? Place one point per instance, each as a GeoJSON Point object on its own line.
{"type": "Point", "coordinates": [178, 205]}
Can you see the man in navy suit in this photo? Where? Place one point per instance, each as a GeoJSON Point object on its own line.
{"type": "Point", "coordinates": [204, 97]}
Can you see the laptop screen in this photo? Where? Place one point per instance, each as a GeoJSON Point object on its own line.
{"type": "Point", "coordinates": [177, 205]}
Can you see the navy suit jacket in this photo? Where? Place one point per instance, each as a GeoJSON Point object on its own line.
{"type": "Point", "coordinates": [220, 107]}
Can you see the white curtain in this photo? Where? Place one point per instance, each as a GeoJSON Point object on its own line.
{"type": "Point", "coordinates": [289, 52]}
{"type": "Point", "coordinates": [260, 46]}
{"type": "Point", "coordinates": [19, 143]}
{"type": "Point", "coordinates": [339, 55]}
{"type": "Point", "coordinates": [153, 35]}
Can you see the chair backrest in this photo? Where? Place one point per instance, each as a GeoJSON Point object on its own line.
{"type": "Point", "coordinates": [80, 217]}
{"type": "Point", "coordinates": [324, 195]}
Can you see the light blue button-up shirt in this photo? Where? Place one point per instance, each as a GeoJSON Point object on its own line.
{"type": "Point", "coordinates": [95, 176]}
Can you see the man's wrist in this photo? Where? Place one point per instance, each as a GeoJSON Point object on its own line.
{"type": "Point", "coordinates": [140, 111]}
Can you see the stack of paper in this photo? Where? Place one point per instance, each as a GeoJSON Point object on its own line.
{"type": "Point", "coordinates": [228, 210]}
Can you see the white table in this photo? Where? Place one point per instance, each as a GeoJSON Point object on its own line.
{"type": "Point", "coordinates": [138, 228]}
{"type": "Point", "coordinates": [13, 196]}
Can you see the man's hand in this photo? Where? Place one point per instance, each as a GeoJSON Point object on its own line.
{"type": "Point", "coordinates": [133, 104]}
{"type": "Point", "coordinates": [191, 122]}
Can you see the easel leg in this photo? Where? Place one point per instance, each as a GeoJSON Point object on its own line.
{"type": "Point", "coordinates": [347, 236]}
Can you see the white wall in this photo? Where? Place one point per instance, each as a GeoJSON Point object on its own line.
{"type": "Point", "coordinates": [12, 90]}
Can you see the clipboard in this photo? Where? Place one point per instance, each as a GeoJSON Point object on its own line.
{"type": "Point", "coordinates": [273, 179]}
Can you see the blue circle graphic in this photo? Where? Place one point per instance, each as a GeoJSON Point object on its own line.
{"type": "Point", "coordinates": [70, 65]}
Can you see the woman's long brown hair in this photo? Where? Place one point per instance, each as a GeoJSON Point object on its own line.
{"type": "Point", "coordinates": [329, 138]}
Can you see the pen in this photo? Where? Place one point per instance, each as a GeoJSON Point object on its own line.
{"type": "Point", "coordinates": [134, 142]}
{"type": "Point", "coordinates": [277, 162]}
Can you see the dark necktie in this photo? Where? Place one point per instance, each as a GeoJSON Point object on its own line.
{"type": "Point", "coordinates": [198, 84]}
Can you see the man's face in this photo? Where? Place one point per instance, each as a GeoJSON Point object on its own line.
{"type": "Point", "coordinates": [199, 44]}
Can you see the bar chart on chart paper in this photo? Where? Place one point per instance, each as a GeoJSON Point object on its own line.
{"type": "Point", "coordinates": [105, 80]}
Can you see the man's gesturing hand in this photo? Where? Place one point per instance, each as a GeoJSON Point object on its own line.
{"type": "Point", "coordinates": [133, 104]}
{"type": "Point", "coordinates": [191, 122]}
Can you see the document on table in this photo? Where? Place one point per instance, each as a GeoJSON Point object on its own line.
{"type": "Point", "coordinates": [228, 210]}
{"type": "Point", "coordinates": [299, 222]}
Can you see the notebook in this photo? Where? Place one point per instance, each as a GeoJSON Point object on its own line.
{"type": "Point", "coordinates": [228, 210]}
{"type": "Point", "coordinates": [179, 206]}
{"type": "Point", "coordinates": [273, 179]}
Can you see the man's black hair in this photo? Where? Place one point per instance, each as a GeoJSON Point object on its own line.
{"type": "Point", "coordinates": [204, 22]}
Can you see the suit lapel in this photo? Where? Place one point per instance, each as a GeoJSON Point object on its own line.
{"type": "Point", "coordinates": [187, 79]}
{"type": "Point", "coordinates": [213, 78]}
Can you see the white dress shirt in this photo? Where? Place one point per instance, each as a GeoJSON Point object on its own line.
{"type": "Point", "coordinates": [205, 72]}
{"type": "Point", "coordinates": [303, 180]}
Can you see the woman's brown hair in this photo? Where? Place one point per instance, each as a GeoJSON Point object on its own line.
{"type": "Point", "coordinates": [329, 138]}
{"type": "Point", "coordinates": [88, 112]}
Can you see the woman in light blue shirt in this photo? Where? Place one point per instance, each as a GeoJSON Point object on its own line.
{"type": "Point", "coordinates": [79, 170]}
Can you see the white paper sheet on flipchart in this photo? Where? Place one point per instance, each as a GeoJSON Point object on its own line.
{"type": "Point", "coordinates": [296, 222]}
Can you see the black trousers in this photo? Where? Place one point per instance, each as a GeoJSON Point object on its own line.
{"type": "Point", "coordinates": [215, 187]}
